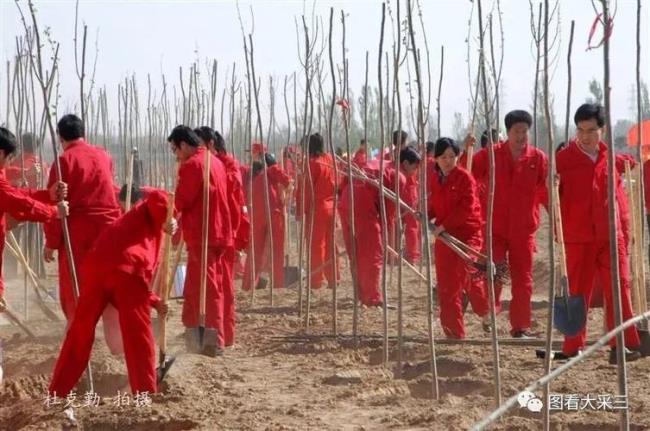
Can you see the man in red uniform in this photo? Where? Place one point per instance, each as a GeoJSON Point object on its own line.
{"type": "Point", "coordinates": [360, 157]}
{"type": "Point", "coordinates": [368, 225]}
{"type": "Point", "coordinates": [189, 203]}
{"type": "Point", "coordinates": [582, 168]}
{"type": "Point", "coordinates": [315, 197]}
{"type": "Point", "coordinates": [520, 188]}
{"type": "Point", "coordinates": [118, 270]}
{"type": "Point", "coordinates": [410, 195]}
{"type": "Point", "coordinates": [278, 182]}
{"type": "Point", "coordinates": [27, 164]}
{"type": "Point", "coordinates": [18, 203]}
{"type": "Point", "coordinates": [87, 171]}
{"type": "Point", "coordinates": [239, 222]}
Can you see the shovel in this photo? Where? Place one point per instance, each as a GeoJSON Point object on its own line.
{"type": "Point", "coordinates": [164, 364]}
{"type": "Point", "coordinates": [569, 313]}
{"type": "Point", "coordinates": [204, 247]}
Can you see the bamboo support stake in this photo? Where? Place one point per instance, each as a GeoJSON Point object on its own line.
{"type": "Point", "coordinates": [204, 245]}
{"type": "Point", "coordinates": [613, 220]}
{"type": "Point", "coordinates": [490, 206]}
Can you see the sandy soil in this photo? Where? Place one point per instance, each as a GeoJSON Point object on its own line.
{"type": "Point", "coordinates": [272, 381]}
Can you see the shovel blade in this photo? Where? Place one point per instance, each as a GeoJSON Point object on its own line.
{"type": "Point", "coordinates": [569, 315]}
{"type": "Point", "coordinates": [164, 367]}
{"type": "Point", "coordinates": [644, 348]}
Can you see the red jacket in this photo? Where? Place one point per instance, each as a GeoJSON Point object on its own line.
{"type": "Point", "coordinates": [236, 201]}
{"type": "Point", "coordinates": [189, 201]}
{"type": "Point", "coordinates": [14, 171]}
{"type": "Point", "coordinates": [22, 207]}
{"type": "Point", "coordinates": [131, 244]}
{"type": "Point", "coordinates": [520, 187]}
{"type": "Point", "coordinates": [360, 157]}
{"type": "Point", "coordinates": [453, 202]}
{"type": "Point", "coordinates": [321, 169]}
{"type": "Point", "coordinates": [646, 185]}
{"type": "Point", "coordinates": [88, 171]}
{"type": "Point", "coordinates": [277, 180]}
{"type": "Point", "coordinates": [583, 195]}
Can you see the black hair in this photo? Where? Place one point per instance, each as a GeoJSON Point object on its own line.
{"type": "Point", "coordinates": [590, 111]}
{"type": "Point", "coordinates": [206, 134]}
{"type": "Point", "coordinates": [560, 147]}
{"type": "Point", "coordinates": [518, 116]}
{"type": "Point", "coordinates": [185, 134]}
{"type": "Point", "coordinates": [409, 154]}
{"type": "Point", "coordinates": [7, 141]}
{"type": "Point", "coordinates": [485, 138]}
{"type": "Point", "coordinates": [136, 194]}
{"type": "Point", "coordinates": [316, 144]}
{"type": "Point", "coordinates": [430, 147]}
{"type": "Point", "coordinates": [399, 137]}
{"type": "Point", "coordinates": [363, 142]}
{"type": "Point", "coordinates": [28, 142]}
{"type": "Point", "coordinates": [270, 159]}
{"type": "Point", "coordinates": [70, 127]}
{"type": "Point", "coordinates": [339, 151]}
{"type": "Point", "coordinates": [257, 167]}
{"type": "Point", "coordinates": [219, 143]}
{"type": "Point", "coordinates": [443, 143]}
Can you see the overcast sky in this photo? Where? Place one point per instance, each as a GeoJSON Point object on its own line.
{"type": "Point", "coordinates": [159, 36]}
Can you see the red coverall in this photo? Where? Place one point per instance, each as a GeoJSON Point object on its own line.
{"type": "Point", "coordinates": [87, 171]}
{"type": "Point", "coordinates": [277, 180]}
{"type": "Point", "coordinates": [320, 177]}
{"type": "Point", "coordinates": [118, 271]}
{"type": "Point", "coordinates": [189, 203]}
{"type": "Point", "coordinates": [520, 187]}
{"type": "Point", "coordinates": [583, 200]}
{"type": "Point", "coordinates": [14, 171]}
{"type": "Point", "coordinates": [367, 227]}
{"type": "Point", "coordinates": [360, 157]}
{"type": "Point", "coordinates": [453, 202]}
{"type": "Point", "coordinates": [241, 231]}
{"type": "Point", "coordinates": [20, 206]}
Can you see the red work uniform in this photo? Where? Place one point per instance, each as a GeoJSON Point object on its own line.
{"type": "Point", "coordinates": [87, 171]}
{"type": "Point", "coordinates": [320, 179]}
{"type": "Point", "coordinates": [241, 231]}
{"type": "Point", "coordinates": [118, 271]}
{"type": "Point", "coordinates": [520, 187]}
{"type": "Point", "coordinates": [585, 221]}
{"type": "Point", "coordinates": [28, 165]}
{"type": "Point", "coordinates": [277, 181]}
{"type": "Point", "coordinates": [189, 203]}
{"type": "Point", "coordinates": [367, 230]}
{"type": "Point", "coordinates": [20, 206]}
{"type": "Point", "coordinates": [360, 157]}
{"type": "Point", "coordinates": [454, 204]}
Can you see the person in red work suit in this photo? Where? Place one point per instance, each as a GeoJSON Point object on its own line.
{"type": "Point", "coordinates": [28, 164]}
{"type": "Point", "coordinates": [646, 192]}
{"type": "Point", "coordinates": [118, 270]}
{"type": "Point", "coordinates": [240, 225]}
{"type": "Point", "coordinates": [18, 202]}
{"type": "Point", "coordinates": [189, 203]}
{"type": "Point", "coordinates": [315, 197]}
{"type": "Point", "coordinates": [278, 183]}
{"type": "Point", "coordinates": [87, 171]}
{"type": "Point", "coordinates": [368, 225]}
{"type": "Point", "coordinates": [360, 157]}
{"type": "Point", "coordinates": [520, 188]}
{"type": "Point", "coordinates": [582, 168]}
{"type": "Point", "coordinates": [454, 205]}
{"type": "Point", "coordinates": [410, 222]}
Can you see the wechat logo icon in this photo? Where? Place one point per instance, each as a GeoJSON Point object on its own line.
{"type": "Point", "coordinates": [530, 401]}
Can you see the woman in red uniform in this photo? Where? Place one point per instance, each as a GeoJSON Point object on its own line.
{"type": "Point", "coordinates": [454, 205]}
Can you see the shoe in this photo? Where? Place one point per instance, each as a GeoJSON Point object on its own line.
{"type": "Point", "coordinates": [486, 324]}
{"type": "Point", "coordinates": [524, 334]}
{"type": "Point", "coordinates": [212, 351]}
{"type": "Point", "coordinates": [557, 355]}
{"type": "Point", "coordinates": [630, 356]}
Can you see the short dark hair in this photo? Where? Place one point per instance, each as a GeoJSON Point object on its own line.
{"type": "Point", "coordinates": [399, 135]}
{"type": "Point", "coordinates": [518, 116]}
{"type": "Point", "coordinates": [430, 147]}
{"type": "Point", "coordinates": [590, 111]}
{"type": "Point", "coordinates": [270, 159]}
{"type": "Point", "coordinates": [7, 141]}
{"type": "Point", "coordinates": [560, 147]}
{"type": "Point", "coordinates": [316, 144]}
{"type": "Point", "coordinates": [185, 134]}
{"type": "Point", "coordinates": [485, 138]}
{"type": "Point", "coordinates": [257, 167]}
{"type": "Point", "coordinates": [28, 142]}
{"type": "Point", "coordinates": [205, 133]}
{"type": "Point", "coordinates": [363, 141]}
{"type": "Point", "coordinates": [409, 154]}
{"type": "Point", "coordinates": [136, 194]}
{"type": "Point", "coordinates": [442, 144]}
{"type": "Point", "coordinates": [70, 127]}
